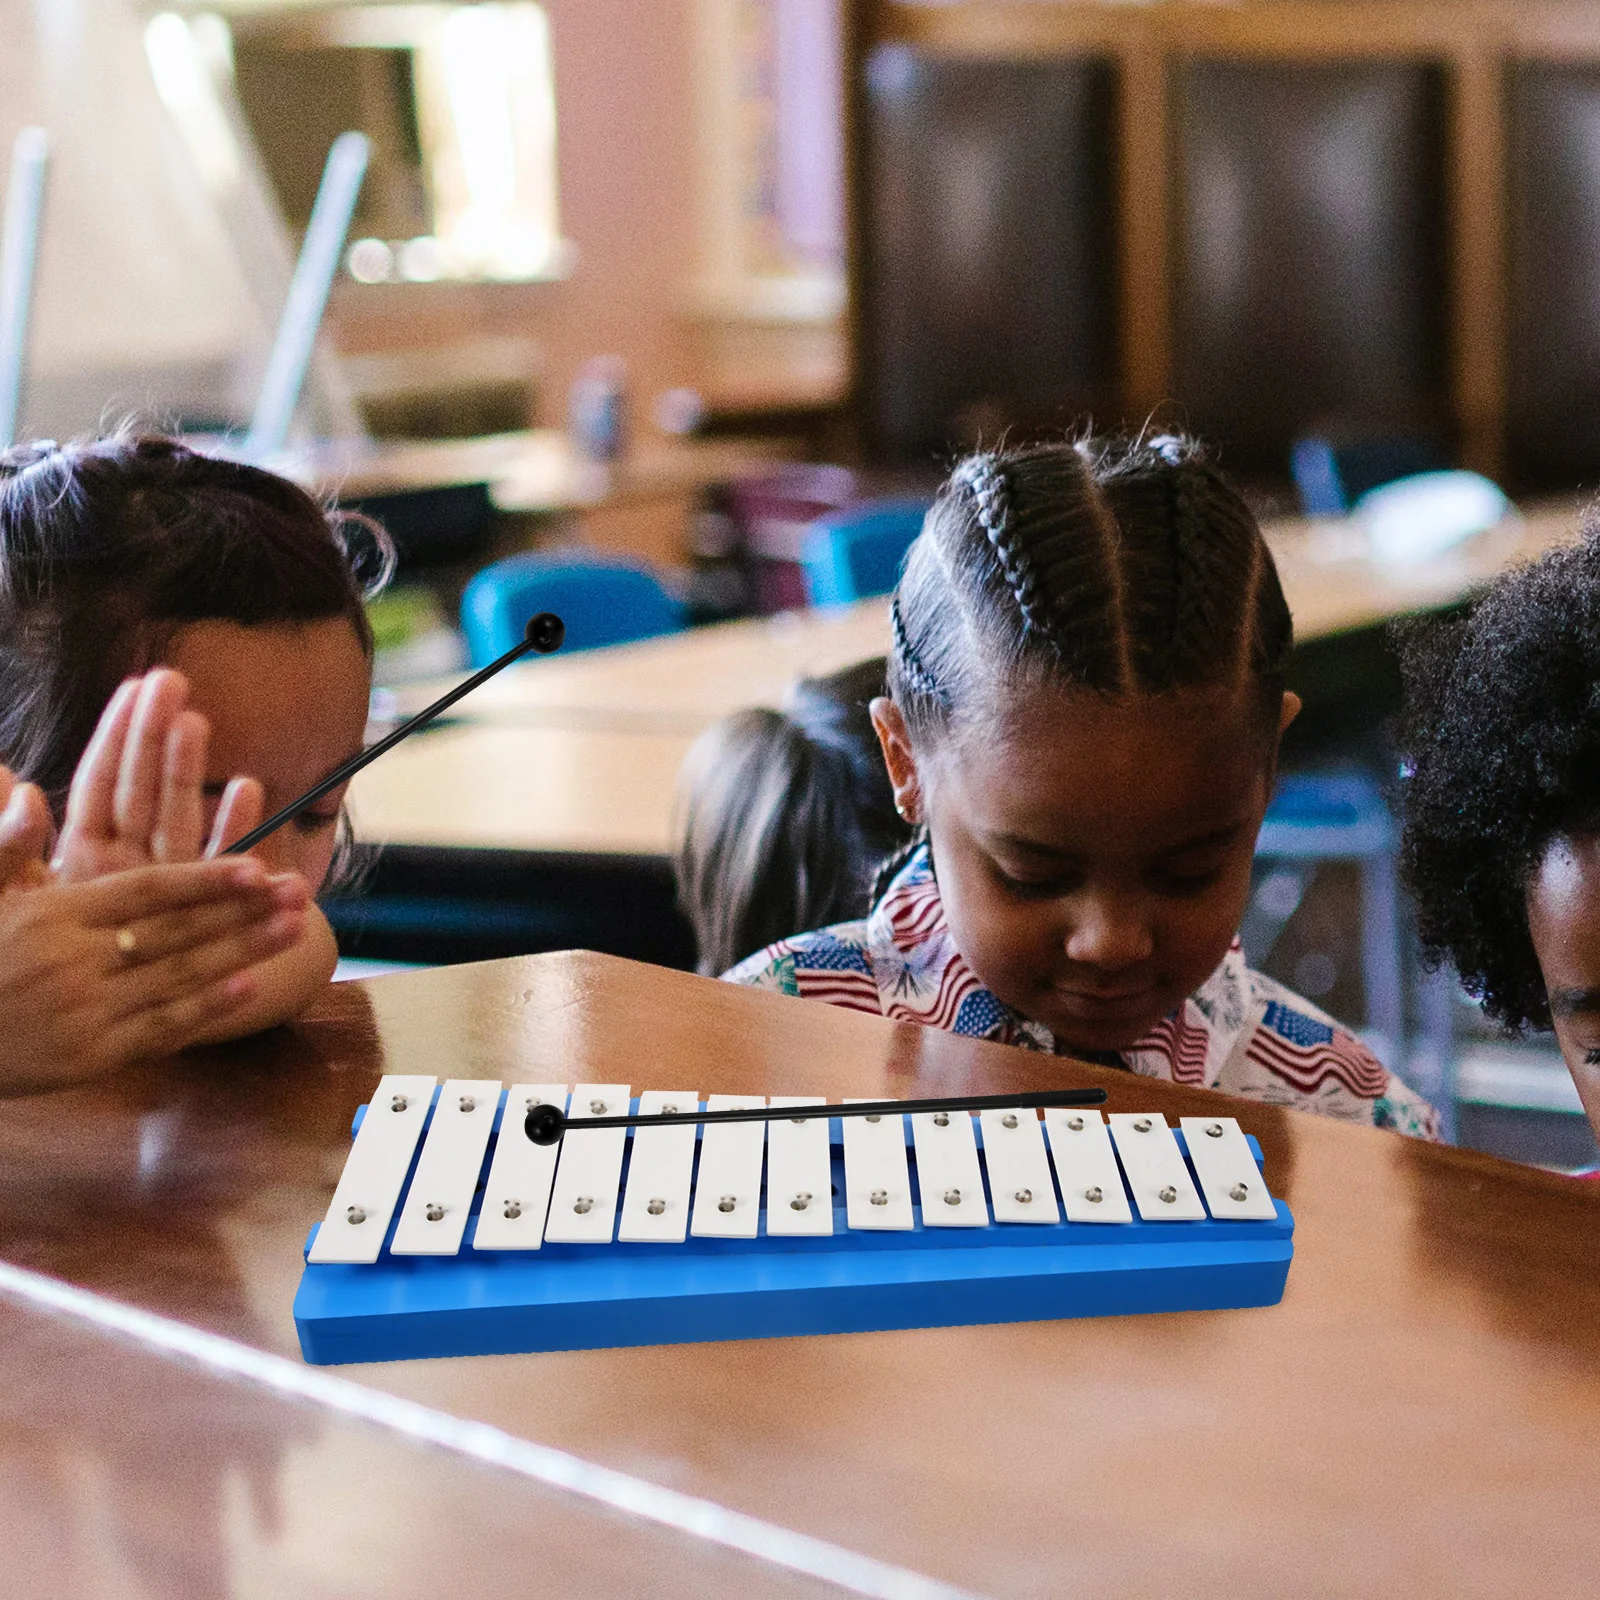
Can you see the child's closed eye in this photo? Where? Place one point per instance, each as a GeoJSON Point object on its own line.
{"type": "Point", "coordinates": [1186, 879]}
{"type": "Point", "coordinates": [311, 823]}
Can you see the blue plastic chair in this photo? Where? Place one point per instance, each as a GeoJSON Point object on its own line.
{"type": "Point", "coordinates": [859, 551]}
{"type": "Point", "coordinates": [601, 602]}
{"type": "Point", "coordinates": [1343, 817]}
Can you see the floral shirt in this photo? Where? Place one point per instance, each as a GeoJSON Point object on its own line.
{"type": "Point", "coordinates": [1239, 1031]}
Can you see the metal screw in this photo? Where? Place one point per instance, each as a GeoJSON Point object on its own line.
{"type": "Point", "coordinates": [1169, 1194]}
{"type": "Point", "coordinates": [583, 1205]}
{"type": "Point", "coordinates": [356, 1215]}
{"type": "Point", "coordinates": [467, 1103]}
{"type": "Point", "coordinates": [530, 1103]}
{"type": "Point", "coordinates": [941, 1119]}
{"type": "Point", "coordinates": [1094, 1196]}
{"type": "Point", "coordinates": [597, 1108]}
{"type": "Point", "coordinates": [669, 1111]}
{"type": "Point", "coordinates": [1009, 1120]}
{"type": "Point", "coordinates": [1024, 1197]}
{"type": "Point", "coordinates": [799, 1121]}
{"type": "Point", "coordinates": [656, 1207]}
{"type": "Point", "coordinates": [513, 1210]}
{"type": "Point", "coordinates": [399, 1103]}
{"type": "Point", "coordinates": [800, 1201]}
{"type": "Point", "coordinates": [435, 1212]}
{"type": "Point", "coordinates": [726, 1203]}
{"type": "Point", "coordinates": [1239, 1191]}
{"type": "Point", "coordinates": [1074, 1124]}
{"type": "Point", "coordinates": [1143, 1125]}
{"type": "Point", "coordinates": [874, 1119]}
{"type": "Point", "coordinates": [880, 1197]}
{"type": "Point", "coordinates": [1215, 1130]}
{"type": "Point", "coordinates": [952, 1197]}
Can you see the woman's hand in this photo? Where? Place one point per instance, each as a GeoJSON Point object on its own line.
{"type": "Point", "coordinates": [25, 834]}
{"type": "Point", "coordinates": [137, 964]}
{"type": "Point", "coordinates": [138, 795]}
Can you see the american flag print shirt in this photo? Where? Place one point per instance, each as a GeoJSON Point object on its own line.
{"type": "Point", "coordinates": [1240, 1031]}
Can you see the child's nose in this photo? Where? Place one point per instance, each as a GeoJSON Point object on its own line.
{"type": "Point", "coordinates": [1108, 935]}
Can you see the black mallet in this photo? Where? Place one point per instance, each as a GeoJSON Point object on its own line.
{"type": "Point", "coordinates": [543, 634]}
{"type": "Point", "coordinates": [545, 1124]}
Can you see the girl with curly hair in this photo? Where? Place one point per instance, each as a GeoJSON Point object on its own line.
{"type": "Point", "coordinates": [1501, 799]}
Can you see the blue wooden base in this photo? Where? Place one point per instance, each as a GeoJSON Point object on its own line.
{"type": "Point", "coordinates": [569, 1297]}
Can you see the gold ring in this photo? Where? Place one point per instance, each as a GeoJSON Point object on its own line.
{"type": "Point", "coordinates": [127, 943]}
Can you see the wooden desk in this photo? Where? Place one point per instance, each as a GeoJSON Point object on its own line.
{"type": "Point", "coordinates": [581, 752]}
{"type": "Point", "coordinates": [536, 471]}
{"type": "Point", "coordinates": [1420, 1416]}
{"type": "Point", "coordinates": [678, 683]}
{"type": "Point", "coordinates": [687, 680]}
{"type": "Point", "coordinates": [126, 1472]}
{"type": "Point", "coordinates": [560, 791]}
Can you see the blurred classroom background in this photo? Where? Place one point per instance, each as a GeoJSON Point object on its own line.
{"type": "Point", "coordinates": [677, 309]}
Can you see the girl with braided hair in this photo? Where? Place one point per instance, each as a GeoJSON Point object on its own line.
{"type": "Point", "coordinates": [183, 649]}
{"type": "Point", "coordinates": [1086, 693]}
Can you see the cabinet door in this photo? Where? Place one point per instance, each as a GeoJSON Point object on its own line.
{"type": "Point", "coordinates": [990, 299]}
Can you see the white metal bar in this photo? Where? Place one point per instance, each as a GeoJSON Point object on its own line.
{"type": "Point", "coordinates": [583, 1204]}
{"type": "Point", "coordinates": [655, 1207]}
{"type": "Point", "coordinates": [1226, 1166]}
{"type": "Point", "coordinates": [799, 1173]}
{"type": "Point", "coordinates": [877, 1177]}
{"type": "Point", "coordinates": [434, 1217]}
{"type": "Point", "coordinates": [517, 1196]}
{"type": "Point", "coordinates": [374, 1172]}
{"type": "Point", "coordinates": [727, 1188]}
{"type": "Point", "coordinates": [1086, 1166]}
{"type": "Point", "coordinates": [1161, 1185]}
{"type": "Point", "coordinates": [948, 1175]}
{"type": "Point", "coordinates": [1020, 1186]}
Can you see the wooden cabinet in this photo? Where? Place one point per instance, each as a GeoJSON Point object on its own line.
{"type": "Point", "coordinates": [1258, 219]}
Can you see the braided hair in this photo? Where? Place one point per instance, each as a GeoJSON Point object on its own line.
{"type": "Point", "coordinates": [108, 548]}
{"type": "Point", "coordinates": [1126, 568]}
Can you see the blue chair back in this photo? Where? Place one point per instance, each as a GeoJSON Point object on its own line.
{"type": "Point", "coordinates": [601, 602]}
{"type": "Point", "coordinates": [1327, 816]}
{"type": "Point", "coordinates": [857, 552]}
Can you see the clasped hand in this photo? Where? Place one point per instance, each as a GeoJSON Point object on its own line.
{"type": "Point", "coordinates": [133, 937]}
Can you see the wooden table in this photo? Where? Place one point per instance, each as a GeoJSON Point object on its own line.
{"type": "Point", "coordinates": [686, 680]}
{"type": "Point", "coordinates": [126, 1471]}
{"type": "Point", "coordinates": [535, 471]}
{"type": "Point", "coordinates": [1421, 1415]}
{"type": "Point", "coordinates": [581, 752]}
{"type": "Point", "coordinates": [546, 790]}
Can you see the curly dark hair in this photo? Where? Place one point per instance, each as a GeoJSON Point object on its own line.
{"type": "Point", "coordinates": [1500, 741]}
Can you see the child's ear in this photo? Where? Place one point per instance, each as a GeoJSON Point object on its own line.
{"type": "Point", "coordinates": [894, 739]}
{"type": "Point", "coordinates": [1292, 704]}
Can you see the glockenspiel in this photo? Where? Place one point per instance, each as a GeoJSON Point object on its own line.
{"type": "Point", "coordinates": [451, 1233]}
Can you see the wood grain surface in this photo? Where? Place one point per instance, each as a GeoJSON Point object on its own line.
{"type": "Point", "coordinates": [1421, 1415]}
{"type": "Point", "coordinates": [580, 753]}
{"type": "Point", "coordinates": [126, 1473]}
